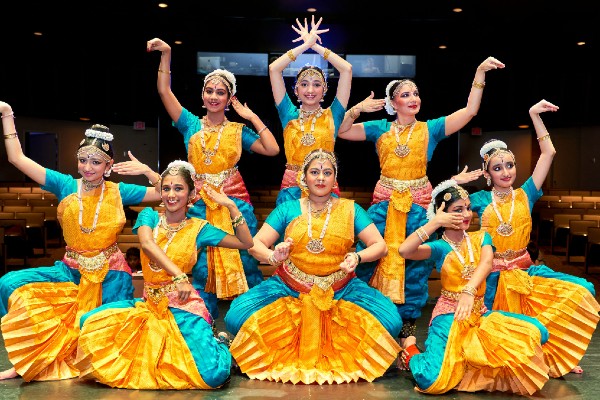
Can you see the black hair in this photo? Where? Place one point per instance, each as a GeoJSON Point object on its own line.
{"type": "Point", "coordinates": [98, 142]}
{"type": "Point", "coordinates": [133, 251]}
{"type": "Point", "coordinates": [184, 173]}
{"type": "Point", "coordinates": [398, 83]}
{"type": "Point", "coordinates": [533, 250]}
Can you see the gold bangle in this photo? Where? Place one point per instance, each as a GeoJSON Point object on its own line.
{"type": "Point", "coordinates": [352, 114]}
{"type": "Point", "coordinates": [470, 290]}
{"type": "Point", "coordinates": [422, 234]}
{"type": "Point", "coordinates": [10, 135]}
{"type": "Point", "coordinates": [10, 114]}
{"type": "Point", "coordinates": [478, 85]}
{"type": "Point", "coordinates": [164, 72]}
{"type": "Point", "coordinates": [326, 53]}
{"type": "Point", "coordinates": [291, 55]}
{"type": "Point", "coordinates": [181, 278]}
{"type": "Point", "coordinates": [155, 183]}
{"type": "Point", "coordinates": [272, 261]}
{"type": "Point", "coordinates": [545, 137]}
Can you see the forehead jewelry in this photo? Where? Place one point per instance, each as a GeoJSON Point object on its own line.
{"type": "Point", "coordinates": [469, 268]}
{"type": "Point", "coordinates": [505, 228]}
{"type": "Point", "coordinates": [316, 246]}
{"type": "Point", "coordinates": [402, 150]}
{"type": "Point", "coordinates": [91, 151]}
{"type": "Point", "coordinates": [308, 139]}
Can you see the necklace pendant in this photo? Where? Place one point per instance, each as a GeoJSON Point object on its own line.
{"type": "Point", "coordinates": [87, 230]}
{"type": "Point", "coordinates": [315, 246]}
{"type": "Point", "coordinates": [207, 160]}
{"type": "Point", "coordinates": [402, 150]}
{"type": "Point", "coordinates": [308, 139]}
{"type": "Point", "coordinates": [505, 229]}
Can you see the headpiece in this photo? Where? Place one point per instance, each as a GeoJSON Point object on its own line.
{"type": "Point", "coordinates": [223, 76]}
{"type": "Point", "coordinates": [174, 167]}
{"type": "Point", "coordinates": [313, 155]}
{"type": "Point", "coordinates": [498, 147]}
{"type": "Point", "coordinates": [98, 146]}
{"type": "Point", "coordinates": [388, 97]}
{"type": "Point", "coordinates": [311, 70]}
{"type": "Point", "coordinates": [447, 184]}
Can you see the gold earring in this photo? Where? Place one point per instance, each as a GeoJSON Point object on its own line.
{"type": "Point", "coordinates": [489, 181]}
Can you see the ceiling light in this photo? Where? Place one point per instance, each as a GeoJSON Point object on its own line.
{"type": "Point", "coordinates": [37, 33]}
{"type": "Point", "coordinates": [163, 5]}
{"type": "Point", "coordinates": [457, 10]}
{"type": "Point", "coordinates": [311, 10]}
{"type": "Point", "coordinates": [580, 43]}
{"type": "Point", "coordinates": [178, 42]}
{"type": "Point", "coordinates": [442, 46]}
{"type": "Point", "coordinates": [524, 126]}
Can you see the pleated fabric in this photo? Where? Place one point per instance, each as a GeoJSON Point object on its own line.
{"type": "Point", "coordinates": [569, 311]}
{"type": "Point", "coordinates": [347, 344]}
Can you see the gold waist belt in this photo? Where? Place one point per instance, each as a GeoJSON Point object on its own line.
{"type": "Point", "coordinates": [293, 167]}
{"type": "Point", "coordinates": [401, 186]}
{"type": "Point", "coordinates": [156, 293]}
{"type": "Point", "coordinates": [217, 179]}
{"type": "Point", "coordinates": [93, 263]}
{"type": "Point", "coordinates": [477, 304]}
{"type": "Point", "coordinates": [510, 254]}
{"type": "Point", "coordinates": [323, 282]}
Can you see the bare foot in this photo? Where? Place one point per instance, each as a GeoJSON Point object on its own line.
{"type": "Point", "coordinates": [8, 374]}
{"type": "Point", "coordinates": [404, 343]}
{"type": "Point", "coordinates": [577, 370]}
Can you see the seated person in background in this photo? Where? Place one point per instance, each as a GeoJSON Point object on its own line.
{"type": "Point", "coordinates": [133, 258]}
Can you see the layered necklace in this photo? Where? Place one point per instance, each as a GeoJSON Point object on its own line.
{"type": "Point", "coordinates": [505, 228]}
{"type": "Point", "coordinates": [169, 234]}
{"type": "Point", "coordinates": [84, 229]}
{"type": "Point", "coordinates": [469, 268]}
{"type": "Point", "coordinates": [316, 246]}
{"type": "Point", "coordinates": [208, 154]}
{"type": "Point", "coordinates": [308, 139]}
{"type": "Point", "coordinates": [501, 195]}
{"type": "Point", "coordinates": [402, 150]}
{"type": "Point", "coordinates": [87, 185]}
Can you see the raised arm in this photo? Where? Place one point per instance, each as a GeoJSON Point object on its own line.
{"type": "Point", "coordinates": [543, 164]}
{"type": "Point", "coordinates": [136, 167]}
{"type": "Point", "coordinates": [266, 144]}
{"type": "Point", "coordinates": [458, 119]}
{"type": "Point", "coordinates": [310, 37]}
{"type": "Point", "coordinates": [13, 147]}
{"type": "Point", "coordinates": [163, 81]}
{"type": "Point", "coordinates": [242, 238]}
{"type": "Point", "coordinates": [356, 132]}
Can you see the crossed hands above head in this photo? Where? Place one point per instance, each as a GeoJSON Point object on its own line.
{"type": "Point", "coordinates": [309, 36]}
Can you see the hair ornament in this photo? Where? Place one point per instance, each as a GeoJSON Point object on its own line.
{"type": "Point", "coordinates": [223, 76]}
{"type": "Point", "coordinates": [175, 166]}
{"type": "Point", "coordinates": [437, 190]}
{"type": "Point", "coordinates": [108, 137]}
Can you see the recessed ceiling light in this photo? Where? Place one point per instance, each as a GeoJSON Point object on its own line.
{"type": "Point", "coordinates": [442, 46]}
{"type": "Point", "coordinates": [457, 10]}
{"type": "Point", "coordinates": [163, 5]}
{"type": "Point", "coordinates": [311, 10]}
{"type": "Point", "coordinates": [178, 42]}
{"type": "Point", "coordinates": [37, 33]}
{"type": "Point", "coordinates": [580, 43]}
{"type": "Point", "coordinates": [523, 126]}
{"type": "Point", "coordinates": [84, 119]}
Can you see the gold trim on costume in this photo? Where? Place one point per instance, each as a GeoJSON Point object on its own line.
{"type": "Point", "coordinates": [477, 304]}
{"type": "Point", "coordinates": [156, 294]}
{"type": "Point", "coordinates": [293, 167]}
{"type": "Point", "coordinates": [509, 254]}
{"type": "Point", "coordinates": [323, 282]}
{"type": "Point", "coordinates": [402, 185]}
{"type": "Point", "coordinates": [94, 263]}
{"type": "Point", "coordinates": [217, 179]}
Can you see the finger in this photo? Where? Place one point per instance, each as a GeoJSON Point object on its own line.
{"type": "Point", "coordinates": [130, 154]}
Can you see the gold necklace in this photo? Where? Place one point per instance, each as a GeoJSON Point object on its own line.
{"type": "Point", "coordinates": [96, 214]}
{"type": "Point", "coordinates": [316, 246]}
{"type": "Point", "coordinates": [468, 269]}
{"type": "Point", "coordinates": [308, 139]}
{"type": "Point", "coordinates": [402, 150]}
{"type": "Point", "coordinates": [169, 234]}
{"type": "Point", "coordinates": [87, 185]}
{"type": "Point", "coordinates": [505, 228]}
{"type": "Point", "coordinates": [208, 154]}
{"type": "Point", "coordinates": [317, 213]}
{"type": "Point", "coordinates": [501, 195]}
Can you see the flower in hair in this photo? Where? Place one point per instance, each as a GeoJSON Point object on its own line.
{"type": "Point", "coordinates": [223, 73]}
{"type": "Point", "coordinates": [388, 101]}
{"type": "Point", "coordinates": [437, 190]}
{"type": "Point", "coordinates": [99, 135]}
{"type": "Point", "coordinates": [177, 164]}
{"type": "Point", "coordinates": [492, 144]}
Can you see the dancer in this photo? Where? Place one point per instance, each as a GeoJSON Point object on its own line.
{"type": "Point", "coordinates": [214, 146]}
{"type": "Point", "coordinates": [165, 340]}
{"type": "Point", "coordinates": [403, 192]}
{"type": "Point", "coordinates": [309, 126]}
{"type": "Point", "coordinates": [313, 321]}
{"type": "Point", "coordinates": [564, 303]}
{"type": "Point", "coordinates": [46, 303]}
{"type": "Point", "coordinates": [469, 348]}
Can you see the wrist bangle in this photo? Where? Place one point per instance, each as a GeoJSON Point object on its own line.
{"type": "Point", "coordinates": [326, 54]}
{"type": "Point", "coordinates": [478, 85]}
{"type": "Point", "coordinates": [181, 278]}
{"type": "Point", "coordinates": [545, 137]}
{"type": "Point", "coordinates": [237, 221]}
{"type": "Point", "coordinates": [352, 114]}
{"type": "Point", "coordinates": [470, 290]}
{"type": "Point", "coordinates": [155, 183]}
{"type": "Point", "coordinates": [354, 255]}
{"type": "Point", "coordinates": [422, 234]}
{"type": "Point", "coordinates": [164, 72]}
{"type": "Point", "coordinates": [272, 261]}
{"type": "Point", "coordinates": [262, 129]}
{"type": "Point", "coordinates": [10, 135]}
{"type": "Point", "coordinates": [291, 55]}
{"type": "Point", "coordinates": [10, 114]}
